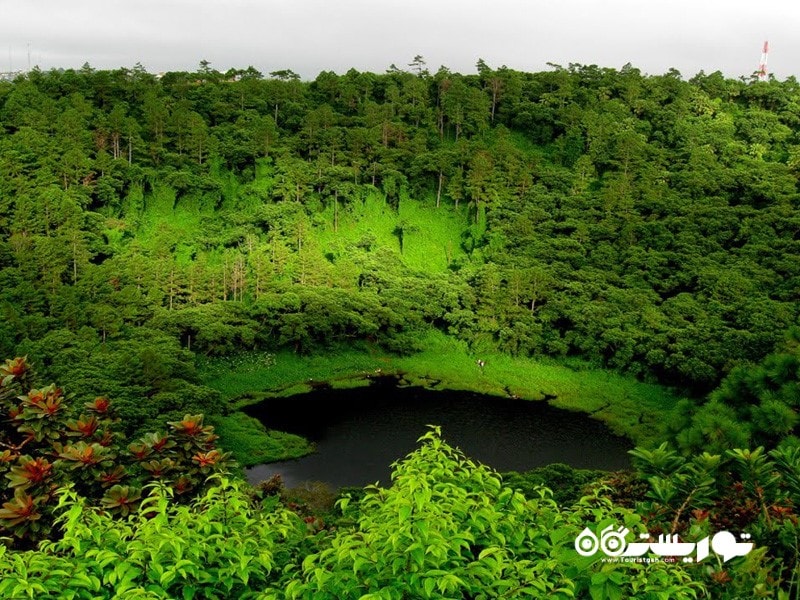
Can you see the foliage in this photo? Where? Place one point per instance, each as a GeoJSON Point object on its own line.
{"type": "Point", "coordinates": [49, 443]}
{"type": "Point", "coordinates": [450, 528]}
{"type": "Point", "coordinates": [568, 485]}
{"type": "Point", "coordinates": [148, 365]}
{"type": "Point", "coordinates": [741, 490]}
{"type": "Point", "coordinates": [754, 403]}
{"type": "Point", "coordinates": [446, 527]}
{"type": "Point", "coordinates": [220, 545]}
{"type": "Point", "coordinates": [644, 223]}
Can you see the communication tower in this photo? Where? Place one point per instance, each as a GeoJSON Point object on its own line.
{"type": "Point", "coordinates": [762, 66]}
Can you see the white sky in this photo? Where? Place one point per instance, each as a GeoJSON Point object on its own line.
{"type": "Point", "coordinates": [309, 36]}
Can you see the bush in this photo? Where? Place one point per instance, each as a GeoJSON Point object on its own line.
{"type": "Point", "coordinates": [220, 545]}
{"type": "Point", "coordinates": [48, 443]}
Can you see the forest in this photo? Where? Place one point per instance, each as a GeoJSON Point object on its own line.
{"type": "Point", "coordinates": [156, 228]}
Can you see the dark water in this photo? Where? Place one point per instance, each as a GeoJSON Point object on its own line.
{"type": "Point", "coordinates": [360, 432]}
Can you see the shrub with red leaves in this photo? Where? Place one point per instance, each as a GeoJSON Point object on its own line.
{"type": "Point", "coordinates": [47, 442]}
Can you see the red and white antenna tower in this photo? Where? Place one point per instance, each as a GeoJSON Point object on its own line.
{"type": "Point", "coordinates": [762, 66]}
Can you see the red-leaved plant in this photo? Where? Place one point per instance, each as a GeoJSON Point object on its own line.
{"type": "Point", "coordinates": [47, 442]}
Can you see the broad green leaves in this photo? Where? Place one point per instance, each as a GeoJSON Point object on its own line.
{"type": "Point", "coordinates": [449, 528]}
{"type": "Point", "coordinates": [220, 546]}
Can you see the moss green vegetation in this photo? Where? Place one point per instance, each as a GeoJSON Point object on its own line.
{"type": "Point", "coordinates": [411, 223]}
{"type": "Point", "coordinates": [645, 224]}
{"type": "Point", "coordinates": [431, 238]}
{"type": "Point", "coordinates": [251, 443]}
{"type": "Point", "coordinates": [629, 407]}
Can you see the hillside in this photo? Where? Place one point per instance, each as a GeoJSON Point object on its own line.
{"type": "Point", "coordinates": [641, 223]}
{"type": "Point", "coordinates": [619, 243]}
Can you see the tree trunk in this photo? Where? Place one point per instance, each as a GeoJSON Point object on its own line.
{"type": "Point", "coordinates": [335, 212]}
{"type": "Point", "coordinates": [74, 263]}
{"type": "Point", "coordinates": [225, 279]}
{"type": "Point", "coordinates": [171, 287]}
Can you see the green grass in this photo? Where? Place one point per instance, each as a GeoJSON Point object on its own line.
{"type": "Point", "coordinates": [431, 238]}
{"type": "Point", "coordinates": [166, 221]}
{"type": "Point", "coordinates": [631, 408]}
{"type": "Point", "coordinates": [636, 410]}
{"type": "Point", "coordinates": [251, 443]}
{"type": "Point", "coordinates": [286, 373]}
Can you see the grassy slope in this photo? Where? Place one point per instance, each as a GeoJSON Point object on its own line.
{"type": "Point", "coordinates": [430, 242]}
{"type": "Point", "coordinates": [252, 444]}
{"type": "Point", "coordinates": [628, 407]}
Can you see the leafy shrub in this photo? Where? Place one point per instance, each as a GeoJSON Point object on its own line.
{"type": "Point", "coordinates": [220, 545]}
{"type": "Point", "coordinates": [567, 484]}
{"type": "Point", "coordinates": [48, 443]}
{"type": "Point", "coordinates": [449, 528]}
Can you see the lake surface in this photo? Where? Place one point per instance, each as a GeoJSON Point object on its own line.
{"type": "Point", "coordinates": [359, 433]}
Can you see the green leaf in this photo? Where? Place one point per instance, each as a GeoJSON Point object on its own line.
{"type": "Point", "coordinates": [404, 512]}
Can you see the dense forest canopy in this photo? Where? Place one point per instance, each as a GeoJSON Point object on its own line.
{"type": "Point", "coordinates": [645, 223]}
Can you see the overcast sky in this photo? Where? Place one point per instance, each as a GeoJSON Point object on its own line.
{"type": "Point", "coordinates": [309, 36]}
